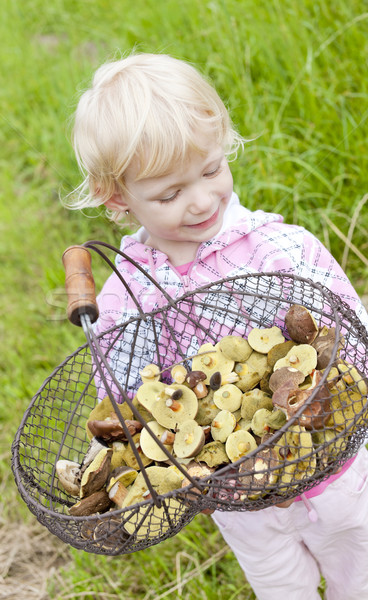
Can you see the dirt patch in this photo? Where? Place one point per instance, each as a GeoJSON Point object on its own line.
{"type": "Point", "coordinates": [29, 557]}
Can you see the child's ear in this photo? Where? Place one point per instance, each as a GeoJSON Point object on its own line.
{"type": "Point", "coordinates": [116, 202]}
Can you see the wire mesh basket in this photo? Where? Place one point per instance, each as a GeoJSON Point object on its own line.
{"type": "Point", "coordinates": [286, 437]}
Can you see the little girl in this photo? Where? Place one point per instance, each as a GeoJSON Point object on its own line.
{"type": "Point", "coordinates": [153, 140]}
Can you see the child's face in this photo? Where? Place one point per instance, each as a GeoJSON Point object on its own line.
{"type": "Point", "coordinates": [184, 208]}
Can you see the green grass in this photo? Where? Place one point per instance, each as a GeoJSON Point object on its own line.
{"type": "Point", "coordinates": [294, 77]}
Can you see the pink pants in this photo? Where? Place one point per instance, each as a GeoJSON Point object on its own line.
{"type": "Point", "coordinates": [283, 553]}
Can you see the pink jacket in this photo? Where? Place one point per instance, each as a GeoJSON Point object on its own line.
{"type": "Point", "coordinates": [249, 242]}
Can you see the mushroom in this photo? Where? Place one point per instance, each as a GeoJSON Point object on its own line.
{"type": "Point", "coordinates": [150, 373]}
{"type": "Point", "coordinates": [93, 449]}
{"type": "Point", "coordinates": [346, 407]}
{"type": "Point", "coordinates": [259, 423]}
{"type": "Point", "coordinates": [279, 351]}
{"type": "Point", "coordinates": [228, 397]}
{"type": "Point", "coordinates": [117, 493]}
{"type": "Point", "coordinates": [207, 410]}
{"type": "Point", "coordinates": [157, 476]}
{"type": "Point", "coordinates": [68, 473]}
{"type": "Point", "coordinates": [109, 533]}
{"type": "Point", "coordinates": [259, 472]}
{"type": "Point", "coordinates": [253, 401]}
{"type": "Point", "coordinates": [351, 376]}
{"type": "Point", "coordinates": [300, 324]}
{"type": "Point", "coordinates": [145, 414]}
{"type": "Point", "coordinates": [262, 340]}
{"type": "Point", "coordinates": [209, 360]}
{"type": "Point", "coordinates": [129, 457]}
{"type": "Point", "coordinates": [222, 425]}
{"type": "Point", "coordinates": [215, 381]}
{"type": "Point", "coordinates": [291, 399]}
{"type": "Point", "coordinates": [283, 375]}
{"type": "Point", "coordinates": [96, 474]}
{"type": "Point", "coordinates": [105, 410]}
{"type": "Point", "coordinates": [117, 458]}
{"type": "Point", "coordinates": [125, 475]}
{"type": "Point", "coordinates": [235, 348]}
{"type": "Point", "coordinates": [169, 412]}
{"type": "Point", "coordinates": [148, 392]}
{"type": "Point", "coordinates": [276, 419]}
{"type": "Point", "coordinates": [144, 523]}
{"type": "Point", "coordinates": [239, 443]}
{"type": "Point", "coordinates": [302, 357]}
{"type": "Point", "coordinates": [324, 344]}
{"type": "Point", "coordinates": [213, 454]}
{"type": "Point", "coordinates": [251, 372]}
{"type": "Point", "coordinates": [178, 373]}
{"type": "Point", "coordinates": [193, 378]}
{"type": "Point", "coordinates": [149, 445]}
{"type": "Point", "coordinates": [111, 430]}
{"type": "Point", "coordinates": [199, 470]}
{"type": "Point", "coordinates": [98, 502]}
{"type": "Point", "coordinates": [189, 439]}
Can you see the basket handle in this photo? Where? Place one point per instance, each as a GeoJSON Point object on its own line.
{"type": "Point", "coordinates": [79, 284]}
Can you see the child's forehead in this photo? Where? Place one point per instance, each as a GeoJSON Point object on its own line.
{"type": "Point", "coordinates": [148, 167]}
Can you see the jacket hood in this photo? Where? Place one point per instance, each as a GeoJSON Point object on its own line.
{"type": "Point", "coordinates": [238, 222]}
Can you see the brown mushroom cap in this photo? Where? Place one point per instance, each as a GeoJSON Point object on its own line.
{"type": "Point", "coordinates": [300, 324]}
{"type": "Point", "coordinates": [111, 430]}
{"type": "Point", "coordinates": [262, 340]}
{"type": "Point", "coordinates": [324, 344]}
{"type": "Point", "coordinates": [98, 502]}
{"type": "Point", "coordinates": [280, 376]}
{"type": "Point", "coordinates": [222, 425]}
{"type": "Point", "coordinates": [96, 474]}
{"type": "Point", "coordinates": [149, 446]}
{"type": "Point", "coordinates": [302, 357]}
{"type": "Point", "coordinates": [228, 397]}
{"type": "Point", "coordinates": [105, 410]}
{"type": "Point", "coordinates": [68, 473]}
{"type": "Point", "coordinates": [291, 399]}
{"type": "Point", "coordinates": [209, 360]}
{"type": "Point", "coordinates": [235, 348]}
{"type": "Point", "coordinates": [189, 439]}
{"type": "Point", "coordinates": [239, 443]}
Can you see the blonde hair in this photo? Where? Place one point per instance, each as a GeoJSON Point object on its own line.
{"type": "Point", "coordinates": [146, 108]}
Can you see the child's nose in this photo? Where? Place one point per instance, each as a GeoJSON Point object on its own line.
{"type": "Point", "coordinates": [201, 201]}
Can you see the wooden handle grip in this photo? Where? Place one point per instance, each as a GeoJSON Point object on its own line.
{"type": "Point", "coordinates": [79, 284]}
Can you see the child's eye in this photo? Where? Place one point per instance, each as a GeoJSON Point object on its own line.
{"type": "Point", "coordinates": [169, 199]}
{"type": "Point", "coordinates": [214, 172]}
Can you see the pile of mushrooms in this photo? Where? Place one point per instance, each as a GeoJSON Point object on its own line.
{"type": "Point", "coordinates": [237, 394]}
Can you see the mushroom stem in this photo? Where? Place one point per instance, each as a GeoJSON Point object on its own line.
{"type": "Point", "coordinates": [117, 493]}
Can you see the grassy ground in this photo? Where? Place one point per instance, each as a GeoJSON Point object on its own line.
{"type": "Point", "coordinates": [294, 76]}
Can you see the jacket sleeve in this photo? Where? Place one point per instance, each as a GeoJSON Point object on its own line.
{"type": "Point", "coordinates": [318, 264]}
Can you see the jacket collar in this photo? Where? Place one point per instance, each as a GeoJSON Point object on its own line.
{"type": "Point", "coordinates": [238, 222]}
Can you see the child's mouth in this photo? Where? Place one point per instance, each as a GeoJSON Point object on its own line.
{"type": "Point", "coordinates": [208, 223]}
